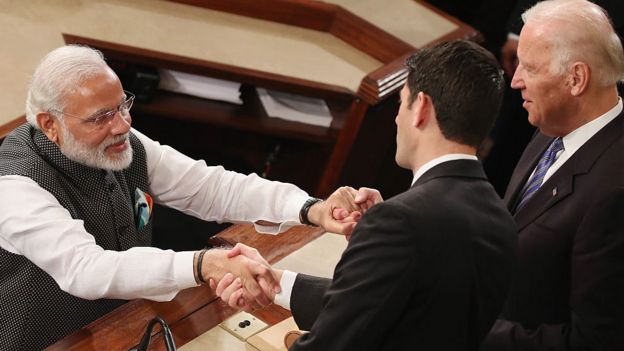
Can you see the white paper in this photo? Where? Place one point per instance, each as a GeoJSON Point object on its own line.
{"type": "Point", "coordinates": [319, 257]}
{"type": "Point", "coordinates": [295, 108]}
{"type": "Point", "coordinates": [200, 86]}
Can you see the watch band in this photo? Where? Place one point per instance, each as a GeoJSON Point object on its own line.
{"type": "Point", "coordinates": [303, 213]}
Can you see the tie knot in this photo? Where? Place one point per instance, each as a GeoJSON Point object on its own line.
{"type": "Point", "coordinates": [556, 145]}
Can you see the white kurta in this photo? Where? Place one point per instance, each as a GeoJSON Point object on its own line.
{"type": "Point", "coordinates": [34, 224]}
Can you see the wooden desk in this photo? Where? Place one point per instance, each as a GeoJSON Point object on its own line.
{"type": "Point", "coordinates": [193, 311]}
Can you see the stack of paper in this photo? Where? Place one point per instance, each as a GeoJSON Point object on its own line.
{"type": "Point", "coordinates": [295, 108]}
{"type": "Point", "coordinates": [200, 86]}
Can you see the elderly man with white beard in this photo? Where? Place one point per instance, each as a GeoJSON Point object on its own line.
{"type": "Point", "coordinates": [77, 185]}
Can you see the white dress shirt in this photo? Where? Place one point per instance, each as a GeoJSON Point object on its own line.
{"type": "Point", "coordinates": [34, 224]}
{"type": "Point", "coordinates": [288, 278]}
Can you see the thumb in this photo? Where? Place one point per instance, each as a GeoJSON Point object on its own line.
{"type": "Point", "coordinates": [360, 197]}
{"type": "Point", "coordinates": [341, 228]}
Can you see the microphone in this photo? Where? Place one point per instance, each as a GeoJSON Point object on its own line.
{"type": "Point", "coordinates": [166, 333]}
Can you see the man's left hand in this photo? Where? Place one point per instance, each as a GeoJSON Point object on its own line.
{"type": "Point", "coordinates": [343, 209]}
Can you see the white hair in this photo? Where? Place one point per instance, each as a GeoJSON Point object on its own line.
{"type": "Point", "coordinates": [587, 36]}
{"type": "Point", "coordinates": [58, 74]}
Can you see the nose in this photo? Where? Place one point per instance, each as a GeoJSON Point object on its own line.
{"type": "Point", "coordinates": [516, 81]}
{"type": "Point", "coordinates": [121, 123]}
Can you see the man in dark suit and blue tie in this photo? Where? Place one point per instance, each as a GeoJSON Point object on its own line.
{"type": "Point", "coordinates": [430, 268]}
{"type": "Point", "coordinates": [567, 191]}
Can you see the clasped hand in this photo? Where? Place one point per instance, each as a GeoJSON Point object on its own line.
{"type": "Point", "coordinates": [343, 209]}
{"type": "Point", "coordinates": [234, 290]}
{"type": "Point", "coordinates": [253, 273]}
{"type": "Point", "coordinates": [339, 213]}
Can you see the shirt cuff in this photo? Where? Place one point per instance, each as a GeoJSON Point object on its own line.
{"type": "Point", "coordinates": [286, 283]}
{"type": "Point", "coordinates": [183, 269]}
{"type": "Point", "coordinates": [291, 215]}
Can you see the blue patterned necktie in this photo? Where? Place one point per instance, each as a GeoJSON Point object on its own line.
{"type": "Point", "coordinates": [548, 158]}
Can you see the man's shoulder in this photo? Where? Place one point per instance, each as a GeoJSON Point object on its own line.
{"type": "Point", "coordinates": [429, 214]}
{"type": "Point", "coordinates": [452, 199]}
{"type": "Point", "coordinates": [17, 154]}
{"type": "Point", "coordinates": [440, 190]}
{"type": "Point", "coordinates": [435, 199]}
{"type": "Point", "coordinates": [19, 135]}
{"type": "Point", "coordinates": [601, 155]}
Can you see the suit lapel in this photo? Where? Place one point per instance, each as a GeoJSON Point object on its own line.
{"type": "Point", "coordinates": [561, 184]}
{"type": "Point", "coordinates": [555, 189]}
{"type": "Point", "coordinates": [527, 163]}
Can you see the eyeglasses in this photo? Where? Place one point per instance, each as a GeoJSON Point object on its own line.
{"type": "Point", "coordinates": [101, 119]}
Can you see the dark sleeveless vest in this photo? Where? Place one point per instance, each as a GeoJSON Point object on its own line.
{"type": "Point", "coordinates": [34, 311]}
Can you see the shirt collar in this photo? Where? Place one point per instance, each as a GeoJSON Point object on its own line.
{"type": "Point", "coordinates": [575, 139]}
{"type": "Point", "coordinates": [436, 161]}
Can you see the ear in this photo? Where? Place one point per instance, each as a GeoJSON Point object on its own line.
{"type": "Point", "coordinates": [422, 109]}
{"type": "Point", "coordinates": [49, 125]}
{"type": "Point", "coordinates": [579, 78]}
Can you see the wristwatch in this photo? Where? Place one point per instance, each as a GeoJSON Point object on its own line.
{"type": "Point", "coordinates": [303, 213]}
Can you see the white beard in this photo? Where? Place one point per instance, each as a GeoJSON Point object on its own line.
{"type": "Point", "coordinates": [95, 157]}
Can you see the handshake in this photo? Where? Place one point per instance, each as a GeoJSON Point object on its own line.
{"type": "Point", "coordinates": [251, 282]}
{"type": "Point", "coordinates": [243, 279]}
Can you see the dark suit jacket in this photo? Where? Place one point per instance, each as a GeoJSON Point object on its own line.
{"type": "Point", "coordinates": [428, 269]}
{"type": "Point", "coordinates": [568, 291]}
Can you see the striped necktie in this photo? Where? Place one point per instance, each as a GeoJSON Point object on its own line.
{"type": "Point", "coordinates": [535, 182]}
